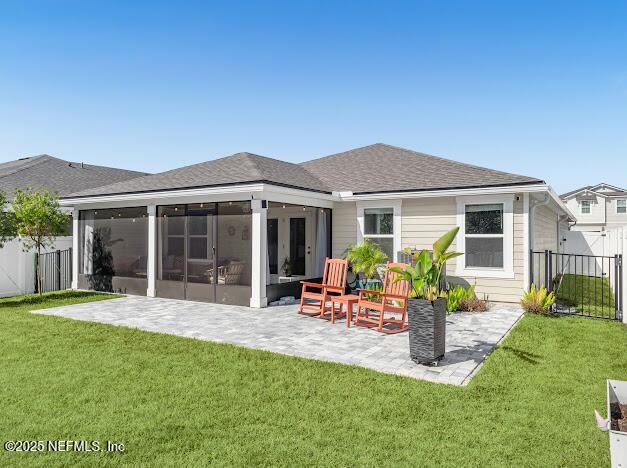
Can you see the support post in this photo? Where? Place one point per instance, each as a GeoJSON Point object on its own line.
{"type": "Point", "coordinates": [151, 273]}
{"type": "Point", "coordinates": [259, 249]}
{"type": "Point", "coordinates": [75, 250]}
{"type": "Point", "coordinates": [57, 259]}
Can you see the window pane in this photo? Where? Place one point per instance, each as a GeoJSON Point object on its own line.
{"type": "Point", "coordinates": [379, 221]}
{"type": "Point", "coordinates": [234, 245]}
{"type": "Point", "coordinates": [172, 242]}
{"type": "Point", "coordinates": [198, 248]}
{"type": "Point", "coordinates": [484, 252]}
{"type": "Point", "coordinates": [621, 206]}
{"type": "Point", "coordinates": [484, 219]}
{"type": "Point", "coordinates": [585, 206]}
{"type": "Point", "coordinates": [113, 243]}
{"type": "Point", "coordinates": [273, 245]}
{"type": "Point", "coordinates": [386, 244]}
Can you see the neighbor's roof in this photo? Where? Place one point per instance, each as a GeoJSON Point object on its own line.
{"type": "Point", "coordinates": [386, 168]}
{"type": "Point", "coordinates": [56, 175]}
{"type": "Point", "coordinates": [617, 192]}
{"type": "Point", "coordinates": [239, 168]}
{"type": "Point", "coordinates": [375, 168]}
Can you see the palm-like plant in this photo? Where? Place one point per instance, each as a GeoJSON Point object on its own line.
{"type": "Point", "coordinates": [365, 257]}
{"type": "Point", "coordinates": [425, 277]}
{"type": "Point", "coordinates": [537, 300]}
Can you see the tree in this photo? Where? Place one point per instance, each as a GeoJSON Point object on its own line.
{"type": "Point", "coordinates": [7, 221]}
{"type": "Point", "coordinates": [38, 220]}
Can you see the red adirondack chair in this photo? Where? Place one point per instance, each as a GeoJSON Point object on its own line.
{"type": "Point", "coordinates": [333, 283]}
{"type": "Point", "coordinates": [376, 309]}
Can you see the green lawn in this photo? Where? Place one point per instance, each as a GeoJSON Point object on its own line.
{"type": "Point", "coordinates": [587, 294]}
{"type": "Point", "coordinates": [180, 402]}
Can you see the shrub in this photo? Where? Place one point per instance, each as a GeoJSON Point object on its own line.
{"type": "Point", "coordinates": [537, 301]}
{"type": "Point", "coordinates": [365, 258]}
{"type": "Point", "coordinates": [473, 304]}
{"type": "Point", "coordinates": [456, 295]}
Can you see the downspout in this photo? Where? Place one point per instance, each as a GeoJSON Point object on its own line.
{"type": "Point", "coordinates": [532, 212]}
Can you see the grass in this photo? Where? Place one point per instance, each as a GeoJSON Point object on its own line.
{"type": "Point", "coordinates": [587, 294]}
{"type": "Point", "coordinates": [181, 402]}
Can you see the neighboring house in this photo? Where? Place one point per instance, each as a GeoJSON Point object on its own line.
{"type": "Point", "coordinates": [597, 207]}
{"type": "Point", "coordinates": [59, 177]}
{"type": "Point", "coordinates": [220, 231]}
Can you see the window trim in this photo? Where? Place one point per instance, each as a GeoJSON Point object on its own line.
{"type": "Point", "coordinates": [507, 271]}
{"type": "Point", "coordinates": [396, 225]}
{"type": "Point", "coordinates": [623, 200]}
{"type": "Point", "coordinates": [581, 202]}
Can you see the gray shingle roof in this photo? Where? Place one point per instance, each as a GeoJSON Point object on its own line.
{"type": "Point", "coordinates": [236, 169]}
{"type": "Point", "coordinates": [375, 168]}
{"type": "Point", "coordinates": [386, 168]}
{"type": "Point", "coordinates": [58, 176]}
{"type": "Point", "coordinates": [617, 192]}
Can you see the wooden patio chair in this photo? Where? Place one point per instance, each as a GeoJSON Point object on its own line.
{"type": "Point", "coordinates": [378, 309]}
{"type": "Point", "coordinates": [333, 281]}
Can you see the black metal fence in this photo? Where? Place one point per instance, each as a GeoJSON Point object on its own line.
{"type": "Point", "coordinates": [587, 285]}
{"type": "Point", "coordinates": [56, 270]}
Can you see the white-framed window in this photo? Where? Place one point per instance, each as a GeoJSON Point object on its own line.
{"type": "Point", "coordinates": [621, 206]}
{"type": "Point", "coordinates": [380, 222]}
{"type": "Point", "coordinates": [584, 206]}
{"type": "Point", "coordinates": [486, 225]}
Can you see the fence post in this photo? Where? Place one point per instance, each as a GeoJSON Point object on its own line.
{"type": "Point", "coordinates": [620, 280]}
{"type": "Point", "coordinates": [36, 267]}
{"type": "Point", "coordinates": [57, 258]}
{"type": "Point", "coordinates": [530, 267]}
{"type": "Point", "coordinates": [549, 278]}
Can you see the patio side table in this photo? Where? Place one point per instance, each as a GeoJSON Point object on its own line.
{"type": "Point", "coordinates": [347, 300]}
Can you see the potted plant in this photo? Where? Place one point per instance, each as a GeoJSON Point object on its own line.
{"type": "Point", "coordinates": [286, 267]}
{"type": "Point", "coordinates": [365, 258]}
{"type": "Point", "coordinates": [426, 309]}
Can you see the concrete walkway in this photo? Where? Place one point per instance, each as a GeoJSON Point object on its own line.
{"type": "Point", "coordinates": [469, 337]}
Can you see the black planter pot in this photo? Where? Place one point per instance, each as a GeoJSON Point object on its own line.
{"type": "Point", "coordinates": [427, 330]}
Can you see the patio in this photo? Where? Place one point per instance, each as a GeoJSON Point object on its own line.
{"type": "Point", "coordinates": [469, 338]}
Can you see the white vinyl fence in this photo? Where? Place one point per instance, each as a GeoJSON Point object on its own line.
{"type": "Point", "coordinates": [602, 244]}
{"type": "Point", "coordinates": [17, 268]}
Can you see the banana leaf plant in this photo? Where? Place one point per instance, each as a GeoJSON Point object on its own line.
{"type": "Point", "coordinates": [425, 278]}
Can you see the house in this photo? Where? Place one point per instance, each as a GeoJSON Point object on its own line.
{"type": "Point", "coordinates": [60, 177]}
{"type": "Point", "coordinates": [598, 207]}
{"type": "Point", "coordinates": [220, 231]}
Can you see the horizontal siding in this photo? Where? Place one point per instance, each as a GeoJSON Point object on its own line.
{"type": "Point", "coordinates": [545, 229]}
{"type": "Point", "coordinates": [426, 219]}
{"type": "Point", "coordinates": [344, 227]}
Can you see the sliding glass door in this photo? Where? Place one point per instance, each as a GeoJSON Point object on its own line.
{"type": "Point", "coordinates": [205, 252]}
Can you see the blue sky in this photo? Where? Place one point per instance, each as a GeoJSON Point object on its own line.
{"type": "Point", "coordinates": [536, 88]}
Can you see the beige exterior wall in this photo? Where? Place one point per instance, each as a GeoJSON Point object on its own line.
{"type": "Point", "coordinates": [424, 220]}
{"type": "Point", "coordinates": [344, 226]}
{"type": "Point", "coordinates": [545, 229]}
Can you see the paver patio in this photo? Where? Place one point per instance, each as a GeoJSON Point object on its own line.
{"type": "Point", "coordinates": [470, 337]}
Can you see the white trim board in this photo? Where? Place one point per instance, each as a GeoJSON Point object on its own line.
{"type": "Point", "coordinates": [397, 223]}
{"type": "Point", "coordinates": [508, 237]}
